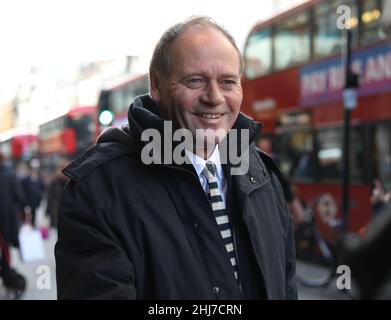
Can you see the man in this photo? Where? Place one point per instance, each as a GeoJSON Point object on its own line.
{"type": "Point", "coordinates": [170, 230]}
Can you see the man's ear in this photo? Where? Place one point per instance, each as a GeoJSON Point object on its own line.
{"type": "Point", "coordinates": [154, 82]}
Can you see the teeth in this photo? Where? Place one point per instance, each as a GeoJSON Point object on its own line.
{"type": "Point", "coordinates": [210, 116]}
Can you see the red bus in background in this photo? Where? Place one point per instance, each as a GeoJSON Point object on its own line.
{"type": "Point", "coordinates": [293, 82]}
{"type": "Point", "coordinates": [19, 144]}
{"type": "Point", "coordinates": [67, 136]}
{"type": "Point", "coordinates": [114, 100]}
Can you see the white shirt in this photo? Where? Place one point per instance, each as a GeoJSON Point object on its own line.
{"type": "Point", "coordinates": [199, 165]}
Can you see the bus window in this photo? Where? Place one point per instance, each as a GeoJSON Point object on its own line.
{"type": "Point", "coordinates": [330, 153]}
{"type": "Point", "coordinates": [383, 154]}
{"type": "Point", "coordinates": [84, 128]}
{"type": "Point", "coordinates": [122, 97]}
{"type": "Point", "coordinates": [371, 24]}
{"type": "Point", "coordinates": [327, 38]}
{"type": "Point", "coordinates": [292, 41]}
{"type": "Point", "coordinates": [139, 88]}
{"type": "Point", "coordinates": [118, 100]}
{"type": "Point", "coordinates": [295, 152]}
{"type": "Point", "coordinates": [258, 53]}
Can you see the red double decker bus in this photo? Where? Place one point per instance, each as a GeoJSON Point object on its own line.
{"type": "Point", "coordinates": [19, 144]}
{"type": "Point", "coordinates": [114, 99]}
{"type": "Point", "coordinates": [293, 82]}
{"type": "Point", "coordinates": [67, 136]}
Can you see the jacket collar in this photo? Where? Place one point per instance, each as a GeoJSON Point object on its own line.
{"type": "Point", "coordinates": [144, 113]}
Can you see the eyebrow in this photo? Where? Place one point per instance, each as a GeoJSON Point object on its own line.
{"type": "Point", "coordinates": [230, 75]}
{"type": "Point", "coordinates": [205, 75]}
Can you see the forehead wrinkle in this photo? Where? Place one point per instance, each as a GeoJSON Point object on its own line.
{"type": "Point", "coordinates": [190, 41]}
{"type": "Point", "coordinates": [209, 70]}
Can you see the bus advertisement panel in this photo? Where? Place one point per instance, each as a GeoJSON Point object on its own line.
{"type": "Point", "coordinates": [293, 82]}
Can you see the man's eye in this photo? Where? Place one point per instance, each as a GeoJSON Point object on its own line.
{"type": "Point", "coordinates": [228, 83]}
{"type": "Point", "coordinates": [194, 82]}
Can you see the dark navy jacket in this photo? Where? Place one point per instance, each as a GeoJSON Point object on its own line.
{"type": "Point", "coordinates": [133, 231]}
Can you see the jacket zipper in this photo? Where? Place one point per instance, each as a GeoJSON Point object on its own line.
{"type": "Point", "coordinates": [237, 260]}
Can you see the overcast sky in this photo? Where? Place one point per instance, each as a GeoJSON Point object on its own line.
{"type": "Point", "coordinates": [62, 32]}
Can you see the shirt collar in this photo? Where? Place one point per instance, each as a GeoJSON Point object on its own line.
{"type": "Point", "coordinates": [199, 163]}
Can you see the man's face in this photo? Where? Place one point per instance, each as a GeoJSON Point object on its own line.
{"type": "Point", "coordinates": [203, 90]}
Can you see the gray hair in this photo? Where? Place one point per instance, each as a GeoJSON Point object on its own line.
{"type": "Point", "coordinates": [161, 62]}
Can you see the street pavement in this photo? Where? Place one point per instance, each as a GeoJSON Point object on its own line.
{"type": "Point", "coordinates": [328, 292]}
{"type": "Point", "coordinates": [40, 274]}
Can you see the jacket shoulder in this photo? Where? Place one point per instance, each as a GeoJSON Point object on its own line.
{"type": "Point", "coordinates": [273, 168]}
{"type": "Point", "coordinates": [95, 157]}
{"type": "Point", "coordinates": [267, 160]}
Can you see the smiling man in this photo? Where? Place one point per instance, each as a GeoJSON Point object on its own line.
{"type": "Point", "coordinates": [202, 92]}
{"type": "Point", "coordinates": [131, 230]}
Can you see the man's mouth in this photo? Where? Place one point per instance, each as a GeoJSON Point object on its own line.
{"type": "Point", "coordinates": [209, 115]}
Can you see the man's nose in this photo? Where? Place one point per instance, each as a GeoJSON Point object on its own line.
{"type": "Point", "coordinates": [212, 95]}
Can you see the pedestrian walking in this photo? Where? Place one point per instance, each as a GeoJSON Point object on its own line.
{"type": "Point", "coordinates": [34, 189]}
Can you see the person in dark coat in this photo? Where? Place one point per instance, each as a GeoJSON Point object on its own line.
{"type": "Point", "coordinates": [12, 202]}
{"type": "Point", "coordinates": [34, 189]}
{"type": "Point", "coordinates": [135, 222]}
